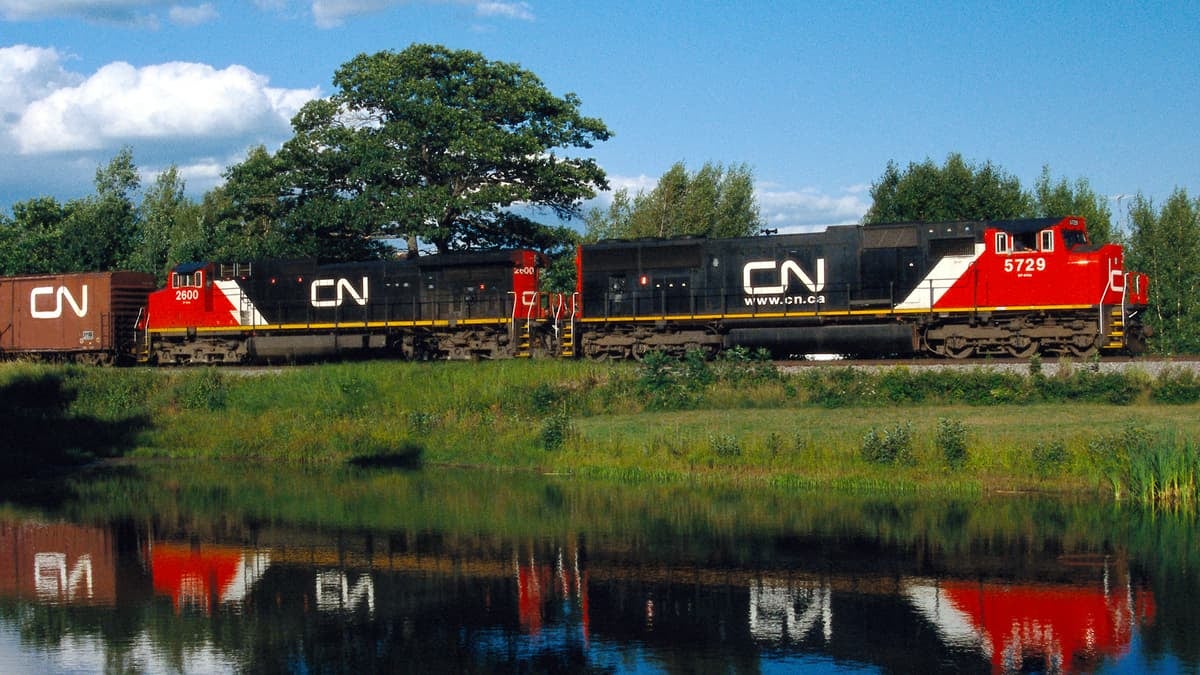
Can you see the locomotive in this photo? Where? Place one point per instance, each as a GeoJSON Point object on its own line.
{"type": "Point", "coordinates": [954, 289]}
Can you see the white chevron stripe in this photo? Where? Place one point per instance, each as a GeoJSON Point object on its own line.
{"type": "Point", "coordinates": [244, 312]}
{"type": "Point", "coordinates": [944, 274]}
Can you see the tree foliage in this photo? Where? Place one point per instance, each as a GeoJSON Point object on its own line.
{"type": "Point", "coordinates": [956, 190]}
{"type": "Point", "coordinates": [99, 231]}
{"type": "Point", "coordinates": [1078, 199]}
{"type": "Point", "coordinates": [715, 201]}
{"type": "Point", "coordinates": [29, 242]}
{"type": "Point", "coordinates": [1165, 244]}
{"type": "Point", "coordinates": [436, 144]}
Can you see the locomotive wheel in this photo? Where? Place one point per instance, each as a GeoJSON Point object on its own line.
{"type": "Point", "coordinates": [1022, 352]}
{"type": "Point", "coordinates": [1084, 352]}
{"type": "Point", "coordinates": [958, 347]}
{"type": "Point", "coordinates": [961, 352]}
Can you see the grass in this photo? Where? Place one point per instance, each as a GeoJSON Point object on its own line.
{"type": "Point", "coordinates": [736, 421]}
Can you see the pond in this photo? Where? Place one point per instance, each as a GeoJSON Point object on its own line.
{"type": "Point", "coordinates": [197, 568]}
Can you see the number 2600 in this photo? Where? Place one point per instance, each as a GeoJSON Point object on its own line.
{"type": "Point", "coordinates": [1025, 265]}
{"type": "Point", "coordinates": [187, 294]}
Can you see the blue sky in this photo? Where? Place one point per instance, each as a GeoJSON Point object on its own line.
{"type": "Point", "coordinates": [815, 97]}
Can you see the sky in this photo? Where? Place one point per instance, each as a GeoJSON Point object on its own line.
{"type": "Point", "coordinates": [815, 97]}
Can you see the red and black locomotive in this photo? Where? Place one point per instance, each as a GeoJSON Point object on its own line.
{"type": "Point", "coordinates": [953, 289]}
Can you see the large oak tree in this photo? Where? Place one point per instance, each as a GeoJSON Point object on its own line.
{"type": "Point", "coordinates": [436, 144]}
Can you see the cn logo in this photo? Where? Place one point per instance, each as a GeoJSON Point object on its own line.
{"type": "Point", "coordinates": [783, 275]}
{"type": "Point", "coordinates": [341, 288]}
{"type": "Point", "coordinates": [40, 308]}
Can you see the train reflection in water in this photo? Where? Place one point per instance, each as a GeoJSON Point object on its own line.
{"type": "Point", "coordinates": [486, 605]}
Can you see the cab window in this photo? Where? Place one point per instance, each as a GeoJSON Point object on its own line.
{"type": "Point", "coordinates": [188, 280]}
{"type": "Point", "coordinates": [1001, 242]}
{"type": "Point", "coordinates": [1047, 240]}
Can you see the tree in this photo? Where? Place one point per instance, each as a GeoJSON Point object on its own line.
{"type": "Point", "coordinates": [165, 214]}
{"type": "Point", "coordinates": [245, 219]}
{"type": "Point", "coordinates": [1165, 244]}
{"type": "Point", "coordinates": [1064, 199]}
{"type": "Point", "coordinates": [30, 242]}
{"type": "Point", "coordinates": [98, 233]}
{"type": "Point", "coordinates": [716, 201]}
{"type": "Point", "coordinates": [954, 191]}
{"type": "Point", "coordinates": [432, 143]}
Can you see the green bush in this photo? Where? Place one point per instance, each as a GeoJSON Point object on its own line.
{"type": "Point", "coordinates": [724, 445]}
{"type": "Point", "coordinates": [420, 422]}
{"type": "Point", "coordinates": [952, 440]}
{"type": "Point", "coordinates": [544, 397]}
{"type": "Point", "coordinates": [1175, 385]}
{"type": "Point", "coordinates": [891, 446]}
{"type": "Point", "coordinates": [204, 390]}
{"type": "Point", "coordinates": [1049, 457]}
{"type": "Point", "coordinates": [556, 429]}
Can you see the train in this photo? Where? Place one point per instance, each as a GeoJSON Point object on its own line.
{"type": "Point", "coordinates": [953, 290]}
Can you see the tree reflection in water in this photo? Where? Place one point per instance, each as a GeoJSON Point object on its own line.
{"type": "Point", "coordinates": [162, 569]}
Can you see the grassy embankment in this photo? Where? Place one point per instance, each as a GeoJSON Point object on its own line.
{"type": "Point", "coordinates": [737, 422]}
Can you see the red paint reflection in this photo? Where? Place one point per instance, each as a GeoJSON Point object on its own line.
{"type": "Point", "coordinates": [199, 578]}
{"type": "Point", "coordinates": [1023, 625]}
{"type": "Point", "coordinates": [538, 585]}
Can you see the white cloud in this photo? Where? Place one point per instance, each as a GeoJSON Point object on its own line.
{"type": "Point", "coordinates": [183, 101]}
{"type": "Point", "coordinates": [788, 210]}
{"type": "Point", "coordinates": [27, 74]}
{"type": "Point", "coordinates": [794, 210]}
{"type": "Point", "coordinates": [507, 10]}
{"type": "Point", "coordinates": [634, 184]}
{"type": "Point", "coordinates": [332, 13]}
{"type": "Point", "coordinates": [58, 125]}
{"type": "Point", "coordinates": [127, 12]}
{"type": "Point", "coordinates": [192, 16]}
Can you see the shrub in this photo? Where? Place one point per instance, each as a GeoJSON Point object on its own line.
{"type": "Point", "coordinates": [1049, 457]}
{"type": "Point", "coordinates": [205, 390]}
{"type": "Point", "coordinates": [1175, 385]}
{"type": "Point", "coordinates": [724, 445]}
{"type": "Point", "coordinates": [952, 440]}
{"type": "Point", "coordinates": [696, 371]}
{"type": "Point", "coordinates": [421, 422]}
{"type": "Point", "coordinates": [658, 381]}
{"type": "Point", "coordinates": [543, 397]}
{"type": "Point", "coordinates": [556, 429]}
{"type": "Point", "coordinates": [891, 446]}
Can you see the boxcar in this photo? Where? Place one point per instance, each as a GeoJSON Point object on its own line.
{"type": "Point", "coordinates": [88, 317]}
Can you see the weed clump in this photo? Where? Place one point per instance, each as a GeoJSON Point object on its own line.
{"type": "Point", "coordinates": [1049, 457]}
{"type": "Point", "coordinates": [890, 446]}
{"type": "Point", "coordinates": [205, 390]}
{"type": "Point", "coordinates": [724, 445]}
{"type": "Point", "coordinates": [556, 429]}
{"type": "Point", "coordinates": [952, 441]}
{"type": "Point", "coordinates": [1175, 385]}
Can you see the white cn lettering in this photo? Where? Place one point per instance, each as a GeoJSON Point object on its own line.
{"type": "Point", "coordinates": [61, 293]}
{"type": "Point", "coordinates": [342, 288]}
{"type": "Point", "coordinates": [1116, 281]}
{"type": "Point", "coordinates": [787, 270]}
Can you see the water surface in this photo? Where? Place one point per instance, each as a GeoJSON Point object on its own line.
{"type": "Point", "coordinates": [193, 568]}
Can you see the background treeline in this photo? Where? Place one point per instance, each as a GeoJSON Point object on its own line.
{"type": "Point", "coordinates": [445, 150]}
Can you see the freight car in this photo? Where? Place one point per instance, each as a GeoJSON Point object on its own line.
{"type": "Point", "coordinates": [953, 289]}
{"type": "Point", "coordinates": [455, 306]}
{"type": "Point", "coordinates": [86, 318]}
